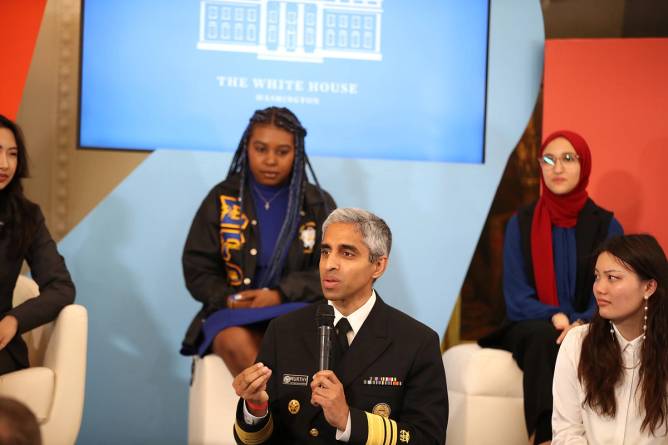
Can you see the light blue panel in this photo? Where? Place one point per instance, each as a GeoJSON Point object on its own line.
{"type": "Point", "coordinates": [125, 260]}
{"type": "Point", "coordinates": [125, 255]}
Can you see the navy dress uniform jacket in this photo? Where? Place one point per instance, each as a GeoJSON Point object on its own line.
{"type": "Point", "coordinates": [393, 378]}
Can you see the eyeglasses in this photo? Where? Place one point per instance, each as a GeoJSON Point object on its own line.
{"type": "Point", "coordinates": [567, 159]}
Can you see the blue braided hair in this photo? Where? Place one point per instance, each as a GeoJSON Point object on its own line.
{"type": "Point", "coordinates": [285, 119]}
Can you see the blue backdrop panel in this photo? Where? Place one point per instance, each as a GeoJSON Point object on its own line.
{"type": "Point", "coordinates": [125, 255]}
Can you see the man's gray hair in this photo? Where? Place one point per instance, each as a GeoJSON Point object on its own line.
{"type": "Point", "coordinates": [375, 232]}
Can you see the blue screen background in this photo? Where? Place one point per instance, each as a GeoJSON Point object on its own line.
{"type": "Point", "coordinates": [146, 85]}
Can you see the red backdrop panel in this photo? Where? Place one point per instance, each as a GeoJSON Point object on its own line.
{"type": "Point", "coordinates": [19, 25]}
{"type": "Point", "coordinates": [615, 93]}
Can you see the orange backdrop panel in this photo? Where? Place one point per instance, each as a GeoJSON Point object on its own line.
{"type": "Point", "coordinates": [19, 25]}
{"type": "Point", "coordinates": [615, 93]}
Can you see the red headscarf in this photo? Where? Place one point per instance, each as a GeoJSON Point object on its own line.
{"type": "Point", "coordinates": [559, 210]}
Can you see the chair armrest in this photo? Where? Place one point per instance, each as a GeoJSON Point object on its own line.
{"type": "Point", "coordinates": [32, 386]}
{"type": "Point", "coordinates": [477, 371]}
{"type": "Point", "coordinates": [213, 403]}
{"type": "Point", "coordinates": [66, 355]}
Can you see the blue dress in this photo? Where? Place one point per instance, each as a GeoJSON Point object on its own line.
{"type": "Point", "coordinates": [271, 205]}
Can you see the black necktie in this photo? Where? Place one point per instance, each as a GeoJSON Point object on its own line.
{"type": "Point", "coordinates": [342, 328]}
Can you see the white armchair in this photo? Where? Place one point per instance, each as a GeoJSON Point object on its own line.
{"type": "Point", "coordinates": [486, 397]}
{"type": "Point", "coordinates": [53, 386]}
{"type": "Point", "coordinates": [213, 403]}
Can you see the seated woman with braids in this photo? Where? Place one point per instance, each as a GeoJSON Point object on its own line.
{"type": "Point", "coordinates": [253, 248]}
{"type": "Point", "coordinates": [611, 376]}
{"type": "Point", "coordinates": [547, 272]}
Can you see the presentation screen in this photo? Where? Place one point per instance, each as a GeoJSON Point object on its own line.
{"type": "Point", "coordinates": [377, 79]}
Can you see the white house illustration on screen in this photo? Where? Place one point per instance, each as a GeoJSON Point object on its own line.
{"type": "Point", "coordinates": [293, 30]}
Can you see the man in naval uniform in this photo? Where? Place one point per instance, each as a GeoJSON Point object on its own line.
{"type": "Point", "coordinates": [387, 385]}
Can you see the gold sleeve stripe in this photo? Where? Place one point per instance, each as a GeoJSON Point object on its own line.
{"type": "Point", "coordinates": [394, 432]}
{"type": "Point", "coordinates": [257, 437]}
{"type": "Point", "coordinates": [382, 431]}
{"type": "Point", "coordinates": [376, 434]}
{"type": "Point", "coordinates": [388, 431]}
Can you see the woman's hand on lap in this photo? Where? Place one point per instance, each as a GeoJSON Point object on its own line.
{"type": "Point", "coordinates": [560, 321]}
{"type": "Point", "coordinates": [265, 297]}
{"type": "Point", "coordinates": [254, 298]}
{"type": "Point", "coordinates": [8, 327]}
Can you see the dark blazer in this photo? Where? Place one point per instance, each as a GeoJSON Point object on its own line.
{"type": "Point", "coordinates": [47, 268]}
{"type": "Point", "coordinates": [220, 254]}
{"type": "Point", "coordinates": [591, 230]}
{"type": "Point", "coordinates": [389, 344]}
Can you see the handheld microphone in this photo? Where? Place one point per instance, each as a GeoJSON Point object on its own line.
{"type": "Point", "coordinates": [324, 317]}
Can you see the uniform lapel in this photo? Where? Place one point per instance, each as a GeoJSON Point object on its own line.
{"type": "Point", "coordinates": [310, 339]}
{"type": "Point", "coordinates": [369, 343]}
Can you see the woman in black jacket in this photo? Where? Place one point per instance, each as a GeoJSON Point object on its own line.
{"type": "Point", "coordinates": [253, 248]}
{"type": "Point", "coordinates": [24, 236]}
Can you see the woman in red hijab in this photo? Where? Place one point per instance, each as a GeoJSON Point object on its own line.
{"type": "Point", "coordinates": [548, 271]}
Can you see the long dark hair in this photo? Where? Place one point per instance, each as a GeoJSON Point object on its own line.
{"type": "Point", "coordinates": [600, 368]}
{"type": "Point", "coordinates": [14, 207]}
{"type": "Point", "coordinates": [286, 120]}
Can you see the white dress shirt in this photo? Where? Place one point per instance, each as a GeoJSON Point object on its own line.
{"type": "Point", "coordinates": [356, 320]}
{"type": "Point", "coordinates": [575, 423]}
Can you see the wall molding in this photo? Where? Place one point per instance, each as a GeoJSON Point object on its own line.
{"type": "Point", "coordinates": [66, 112]}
